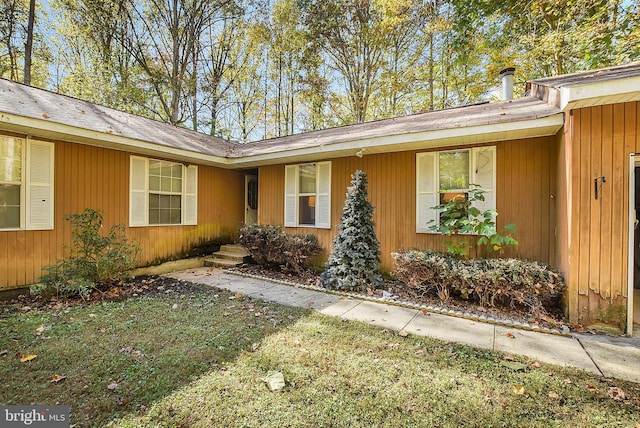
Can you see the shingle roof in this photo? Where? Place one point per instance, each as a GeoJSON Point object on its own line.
{"type": "Point", "coordinates": [40, 104]}
{"type": "Point", "coordinates": [480, 114]}
{"type": "Point", "coordinates": [590, 76]}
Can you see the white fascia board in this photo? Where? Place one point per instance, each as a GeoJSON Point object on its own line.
{"type": "Point", "coordinates": [493, 132]}
{"type": "Point", "coordinates": [57, 131]}
{"type": "Point", "coordinates": [490, 132]}
{"type": "Point", "coordinates": [591, 94]}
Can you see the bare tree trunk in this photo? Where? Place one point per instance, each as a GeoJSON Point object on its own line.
{"type": "Point", "coordinates": [29, 45]}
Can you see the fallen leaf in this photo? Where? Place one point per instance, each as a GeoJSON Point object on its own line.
{"type": "Point", "coordinates": [175, 306]}
{"type": "Point", "coordinates": [616, 393]}
{"type": "Point", "coordinates": [92, 315]}
{"type": "Point", "coordinates": [568, 381]}
{"type": "Point", "coordinates": [238, 296]}
{"type": "Point", "coordinates": [553, 394]}
{"type": "Point", "coordinates": [275, 380]}
{"type": "Point", "coordinates": [255, 347]}
{"type": "Point", "coordinates": [536, 365]}
{"type": "Point", "coordinates": [510, 336]}
{"type": "Point", "coordinates": [403, 333]}
{"type": "Point", "coordinates": [592, 388]}
{"type": "Point", "coordinates": [39, 330]}
{"type": "Point", "coordinates": [518, 389]}
{"type": "Point", "coordinates": [419, 352]}
{"type": "Point", "coordinates": [45, 115]}
{"type": "Point", "coordinates": [3, 352]}
{"type": "Point", "coordinates": [513, 365]}
{"type": "Point", "coordinates": [26, 358]}
{"type": "Point", "coordinates": [112, 386]}
{"type": "Point", "coordinates": [131, 351]}
{"type": "Point", "coordinates": [57, 378]}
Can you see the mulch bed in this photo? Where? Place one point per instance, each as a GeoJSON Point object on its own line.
{"type": "Point", "coordinates": [153, 285]}
{"type": "Point", "coordinates": [552, 320]}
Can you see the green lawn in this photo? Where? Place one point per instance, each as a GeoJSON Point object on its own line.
{"type": "Point", "coordinates": [196, 357]}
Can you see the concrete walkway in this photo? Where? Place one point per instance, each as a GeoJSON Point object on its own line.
{"type": "Point", "coordinates": [604, 355]}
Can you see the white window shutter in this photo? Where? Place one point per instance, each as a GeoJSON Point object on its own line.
{"type": "Point", "coordinates": [483, 174]}
{"type": "Point", "coordinates": [323, 205]}
{"type": "Point", "coordinates": [426, 190]}
{"type": "Point", "coordinates": [138, 201]}
{"type": "Point", "coordinates": [39, 185]}
{"type": "Point", "coordinates": [190, 207]}
{"type": "Point", "coordinates": [290, 196]}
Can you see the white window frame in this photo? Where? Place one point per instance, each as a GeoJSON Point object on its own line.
{"type": "Point", "coordinates": [322, 194]}
{"type": "Point", "coordinates": [139, 193]}
{"type": "Point", "coordinates": [36, 184]}
{"type": "Point", "coordinates": [428, 176]}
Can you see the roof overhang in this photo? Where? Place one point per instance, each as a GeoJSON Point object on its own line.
{"type": "Point", "coordinates": [41, 128]}
{"type": "Point", "coordinates": [600, 93]}
{"type": "Point", "coordinates": [450, 137]}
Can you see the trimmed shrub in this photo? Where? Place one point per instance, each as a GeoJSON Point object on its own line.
{"type": "Point", "coordinates": [94, 262]}
{"type": "Point", "coordinates": [271, 247]}
{"type": "Point", "coordinates": [490, 282]}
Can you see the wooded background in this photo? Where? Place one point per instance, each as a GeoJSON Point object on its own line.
{"type": "Point", "coordinates": [254, 69]}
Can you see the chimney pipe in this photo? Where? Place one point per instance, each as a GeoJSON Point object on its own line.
{"type": "Point", "coordinates": [507, 83]}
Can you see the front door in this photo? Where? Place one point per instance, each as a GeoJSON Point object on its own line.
{"type": "Point", "coordinates": [250, 199]}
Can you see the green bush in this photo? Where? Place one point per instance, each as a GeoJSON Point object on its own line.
{"type": "Point", "coordinates": [490, 282]}
{"type": "Point", "coordinates": [459, 216]}
{"type": "Point", "coordinates": [271, 247]}
{"type": "Point", "coordinates": [94, 261]}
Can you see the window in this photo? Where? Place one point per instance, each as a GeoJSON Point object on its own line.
{"type": "Point", "coordinates": [26, 184]}
{"type": "Point", "coordinates": [446, 175]}
{"type": "Point", "coordinates": [162, 193]}
{"type": "Point", "coordinates": [308, 195]}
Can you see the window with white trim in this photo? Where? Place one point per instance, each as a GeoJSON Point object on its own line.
{"type": "Point", "coordinates": [162, 193]}
{"type": "Point", "coordinates": [307, 199]}
{"type": "Point", "coordinates": [26, 184]}
{"type": "Point", "coordinates": [441, 176]}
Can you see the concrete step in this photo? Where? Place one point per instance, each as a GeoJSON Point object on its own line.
{"type": "Point", "coordinates": [229, 256]}
{"type": "Point", "coordinates": [240, 258]}
{"type": "Point", "coordinates": [221, 263]}
{"type": "Point", "coordinates": [234, 249]}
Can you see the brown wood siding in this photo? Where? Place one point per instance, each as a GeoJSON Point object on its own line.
{"type": "Point", "coordinates": [602, 139]}
{"type": "Point", "coordinates": [92, 177]}
{"type": "Point", "coordinates": [524, 190]}
{"type": "Point", "coordinates": [563, 203]}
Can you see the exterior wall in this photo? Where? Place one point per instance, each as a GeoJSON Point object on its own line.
{"type": "Point", "coordinates": [92, 177]}
{"type": "Point", "coordinates": [602, 138]}
{"type": "Point", "coordinates": [525, 187]}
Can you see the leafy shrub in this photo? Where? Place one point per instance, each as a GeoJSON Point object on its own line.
{"type": "Point", "coordinates": [459, 216]}
{"type": "Point", "coordinates": [94, 260]}
{"type": "Point", "coordinates": [354, 262]}
{"type": "Point", "coordinates": [530, 284]}
{"type": "Point", "coordinates": [271, 247]}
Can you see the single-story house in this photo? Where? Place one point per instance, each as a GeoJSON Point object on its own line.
{"type": "Point", "coordinates": [559, 163]}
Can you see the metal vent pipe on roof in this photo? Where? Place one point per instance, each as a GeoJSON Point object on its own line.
{"type": "Point", "coordinates": [507, 83]}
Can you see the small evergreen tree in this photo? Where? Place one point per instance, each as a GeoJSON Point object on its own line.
{"type": "Point", "coordinates": [354, 262]}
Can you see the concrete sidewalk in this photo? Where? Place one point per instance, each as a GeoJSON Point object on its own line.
{"type": "Point", "coordinates": [605, 355]}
